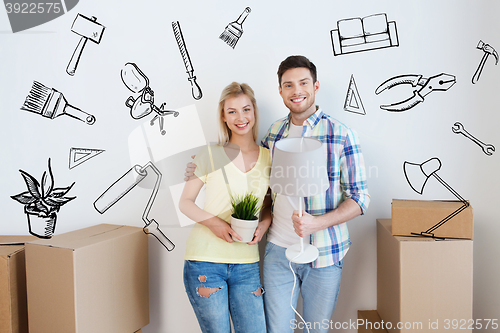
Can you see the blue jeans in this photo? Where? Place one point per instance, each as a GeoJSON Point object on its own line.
{"type": "Point", "coordinates": [319, 288]}
{"type": "Point", "coordinates": [218, 290]}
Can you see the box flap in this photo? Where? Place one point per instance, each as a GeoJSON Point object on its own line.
{"type": "Point", "coordinates": [427, 204]}
{"type": "Point", "coordinates": [86, 236]}
{"type": "Point", "coordinates": [9, 250]}
{"type": "Point", "coordinates": [10, 245]}
{"type": "Point", "coordinates": [16, 240]}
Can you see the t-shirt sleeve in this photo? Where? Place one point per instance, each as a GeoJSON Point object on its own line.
{"type": "Point", "coordinates": [203, 163]}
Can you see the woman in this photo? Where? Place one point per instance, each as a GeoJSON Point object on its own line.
{"type": "Point", "coordinates": [222, 276]}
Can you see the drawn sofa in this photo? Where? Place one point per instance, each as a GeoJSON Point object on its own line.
{"type": "Point", "coordinates": [363, 34]}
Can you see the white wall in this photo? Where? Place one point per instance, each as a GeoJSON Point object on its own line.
{"type": "Point", "coordinates": [434, 36]}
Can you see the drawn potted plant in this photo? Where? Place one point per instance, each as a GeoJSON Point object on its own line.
{"type": "Point", "coordinates": [244, 219]}
{"type": "Point", "coordinates": [42, 203]}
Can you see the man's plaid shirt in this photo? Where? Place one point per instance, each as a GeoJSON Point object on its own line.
{"type": "Point", "coordinates": [346, 172]}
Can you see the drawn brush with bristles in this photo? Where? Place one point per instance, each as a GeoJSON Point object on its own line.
{"type": "Point", "coordinates": [234, 30]}
{"type": "Point", "coordinates": [51, 103]}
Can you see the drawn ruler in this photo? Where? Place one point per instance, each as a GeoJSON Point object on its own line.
{"type": "Point", "coordinates": [195, 88]}
{"type": "Point", "coordinates": [353, 101]}
{"type": "Point", "coordinates": [79, 155]}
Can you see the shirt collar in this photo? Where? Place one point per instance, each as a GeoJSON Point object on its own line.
{"type": "Point", "coordinates": [313, 120]}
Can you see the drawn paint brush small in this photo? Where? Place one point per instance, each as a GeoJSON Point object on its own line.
{"type": "Point", "coordinates": [50, 103]}
{"type": "Point", "coordinates": [234, 30]}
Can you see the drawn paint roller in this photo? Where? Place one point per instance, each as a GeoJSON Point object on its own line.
{"type": "Point", "coordinates": [124, 185]}
{"type": "Point", "coordinates": [234, 30]}
{"type": "Point", "coordinates": [88, 28]}
{"type": "Point", "coordinates": [195, 88]}
{"type": "Point", "coordinates": [51, 103]}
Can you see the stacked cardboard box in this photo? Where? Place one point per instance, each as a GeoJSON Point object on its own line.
{"type": "Point", "coordinates": [88, 281]}
{"type": "Point", "coordinates": [13, 307]}
{"type": "Point", "coordinates": [416, 216]}
{"type": "Point", "coordinates": [423, 284]}
{"type": "Point", "coordinates": [370, 322]}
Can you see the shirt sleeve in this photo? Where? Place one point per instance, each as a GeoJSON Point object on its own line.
{"type": "Point", "coordinates": [265, 140]}
{"type": "Point", "coordinates": [352, 172]}
{"type": "Point", "coordinates": [203, 165]}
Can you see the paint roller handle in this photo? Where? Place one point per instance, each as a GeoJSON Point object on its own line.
{"type": "Point", "coordinates": [79, 114]}
{"type": "Point", "coordinates": [195, 88]}
{"type": "Point", "coordinates": [154, 229]}
{"type": "Point", "coordinates": [75, 58]}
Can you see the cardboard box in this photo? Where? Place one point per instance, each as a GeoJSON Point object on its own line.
{"type": "Point", "coordinates": [89, 281]}
{"type": "Point", "coordinates": [13, 303]}
{"type": "Point", "coordinates": [420, 215]}
{"type": "Point", "coordinates": [369, 322]}
{"type": "Point", "coordinates": [422, 281]}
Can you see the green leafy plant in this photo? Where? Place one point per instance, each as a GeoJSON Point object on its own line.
{"type": "Point", "coordinates": [41, 197]}
{"type": "Point", "coordinates": [245, 207]}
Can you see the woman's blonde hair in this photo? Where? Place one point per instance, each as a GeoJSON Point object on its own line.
{"type": "Point", "coordinates": [234, 90]}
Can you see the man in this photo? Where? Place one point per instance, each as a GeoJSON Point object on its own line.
{"type": "Point", "coordinates": [323, 223]}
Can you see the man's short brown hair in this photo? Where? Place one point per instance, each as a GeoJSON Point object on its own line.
{"type": "Point", "coordinates": [296, 61]}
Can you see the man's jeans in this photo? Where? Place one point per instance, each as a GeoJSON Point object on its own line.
{"type": "Point", "coordinates": [216, 289]}
{"type": "Point", "coordinates": [319, 288]}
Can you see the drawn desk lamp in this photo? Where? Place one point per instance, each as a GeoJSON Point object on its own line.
{"type": "Point", "coordinates": [417, 176]}
{"type": "Point", "coordinates": [299, 169]}
{"type": "Point", "coordinates": [137, 82]}
{"type": "Point", "coordinates": [126, 183]}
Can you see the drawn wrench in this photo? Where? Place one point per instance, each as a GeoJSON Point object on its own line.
{"type": "Point", "coordinates": [458, 128]}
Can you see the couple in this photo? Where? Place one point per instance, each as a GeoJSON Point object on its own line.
{"type": "Point", "coordinates": [222, 277]}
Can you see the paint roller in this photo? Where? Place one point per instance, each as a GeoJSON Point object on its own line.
{"type": "Point", "coordinates": [124, 185]}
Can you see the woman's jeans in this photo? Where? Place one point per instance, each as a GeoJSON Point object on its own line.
{"type": "Point", "coordinates": [217, 290]}
{"type": "Point", "coordinates": [319, 288]}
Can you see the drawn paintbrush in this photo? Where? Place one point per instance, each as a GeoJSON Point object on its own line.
{"type": "Point", "coordinates": [195, 88]}
{"type": "Point", "coordinates": [234, 30]}
{"type": "Point", "coordinates": [51, 103]}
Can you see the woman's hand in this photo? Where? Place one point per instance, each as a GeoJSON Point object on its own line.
{"type": "Point", "coordinates": [260, 231]}
{"type": "Point", "coordinates": [221, 229]}
{"type": "Point", "coordinates": [190, 167]}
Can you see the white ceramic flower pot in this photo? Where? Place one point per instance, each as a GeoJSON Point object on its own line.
{"type": "Point", "coordinates": [244, 228]}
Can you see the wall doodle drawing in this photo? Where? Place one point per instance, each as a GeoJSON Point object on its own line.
{"type": "Point", "coordinates": [364, 34]}
{"type": "Point", "coordinates": [458, 128]}
{"type": "Point", "coordinates": [50, 103]}
{"type": "Point", "coordinates": [440, 82]}
{"type": "Point", "coordinates": [353, 101]}
{"type": "Point", "coordinates": [195, 88]}
{"type": "Point", "coordinates": [135, 80]}
{"type": "Point", "coordinates": [89, 29]}
{"type": "Point", "coordinates": [417, 175]}
{"type": "Point", "coordinates": [42, 202]}
{"type": "Point", "coordinates": [79, 155]}
{"type": "Point", "coordinates": [234, 30]}
{"type": "Point", "coordinates": [488, 50]}
{"type": "Point", "coordinates": [125, 184]}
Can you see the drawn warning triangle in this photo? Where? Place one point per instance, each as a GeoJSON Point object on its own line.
{"type": "Point", "coordinates": [353, 101]}
{"type": "Point", "coordinates": [79, 155]}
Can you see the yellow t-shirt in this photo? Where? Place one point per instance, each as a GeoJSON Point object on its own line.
{"type": "Point", "coordinates": [211, 161]}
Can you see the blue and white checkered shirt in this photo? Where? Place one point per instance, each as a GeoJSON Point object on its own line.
{"type": "Point", "coordinates": [346, 172]}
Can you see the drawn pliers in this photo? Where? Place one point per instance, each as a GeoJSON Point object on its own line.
{"type": "Point", "coordinates": [440, 82]}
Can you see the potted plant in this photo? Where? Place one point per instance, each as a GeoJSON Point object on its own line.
{"type": "Point", "coordinates": [42, 202]}
{"type": "Point", "coordinates": [244, 219]}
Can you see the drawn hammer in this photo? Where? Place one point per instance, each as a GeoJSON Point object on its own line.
{"type": "Point", "coordinates": [88, 29]}
{"type": "Point", "coordinates": [487, 51]}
